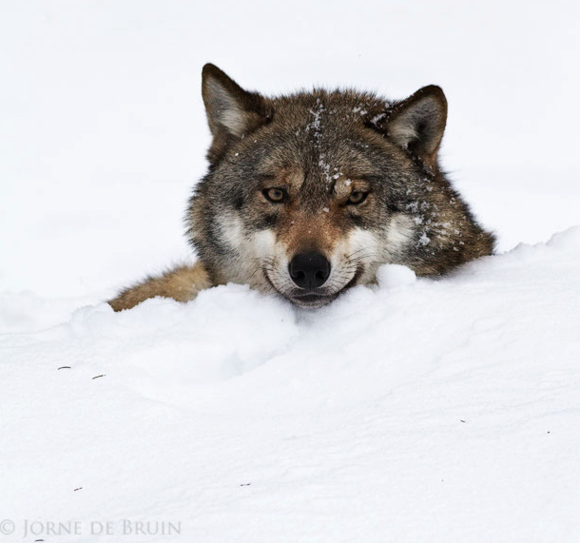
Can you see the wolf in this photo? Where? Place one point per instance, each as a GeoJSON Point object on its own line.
{"type": "Point", "coordinates": [308, 194]}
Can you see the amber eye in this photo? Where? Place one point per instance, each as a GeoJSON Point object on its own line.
{"type": "Point", "coordinates": [277, 196]}
{"type": "Point", "coordinates": [357, 197]}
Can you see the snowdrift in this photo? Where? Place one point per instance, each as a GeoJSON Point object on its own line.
{"type": "Point", "coordinates": [420, 410]}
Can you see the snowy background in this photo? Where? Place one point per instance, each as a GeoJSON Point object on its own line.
{"type": "Point", "coordinates": [435, 411]}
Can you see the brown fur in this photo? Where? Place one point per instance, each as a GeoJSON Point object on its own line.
{"type": "Point", "coordinates": [319, 147]}
{"type": "Point", "coordinates": [182, 284]}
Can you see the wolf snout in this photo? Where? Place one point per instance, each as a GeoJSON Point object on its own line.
{"type": "Point", "coordinates": [309, 270]}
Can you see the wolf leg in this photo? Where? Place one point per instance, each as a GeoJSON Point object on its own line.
{"type": "Point", "coordinates": [181, 284]}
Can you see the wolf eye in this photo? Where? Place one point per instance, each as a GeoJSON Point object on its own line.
{"type": "Point", "coordinates": [274, 195]}
{"type": "Point", "coordinates": [357, 197]}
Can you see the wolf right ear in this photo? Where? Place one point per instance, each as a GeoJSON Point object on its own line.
{"type": "Point", "coordinates": [417, 123]}
{"type": "Point", "coordinates": [231, 111]}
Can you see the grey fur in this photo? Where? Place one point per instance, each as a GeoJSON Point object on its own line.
{"type": "Point", "coordinates": [319, 146]}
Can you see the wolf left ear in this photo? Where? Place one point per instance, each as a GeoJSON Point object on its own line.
{"type": "Point", "coordinates": [231, 111]}
{"type": "Point", "coordinates": [418, 123]}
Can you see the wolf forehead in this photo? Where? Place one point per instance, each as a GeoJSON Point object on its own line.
{"type": "Point", "coordinates": [319, 136]}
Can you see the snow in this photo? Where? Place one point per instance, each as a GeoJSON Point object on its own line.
{"type": "Point", "coordinates": [417, 410]}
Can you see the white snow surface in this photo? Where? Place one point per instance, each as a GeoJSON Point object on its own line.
{"type": "Point", "coordinates": [419, 410]}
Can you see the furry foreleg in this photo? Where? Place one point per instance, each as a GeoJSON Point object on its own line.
{"type": "Point", "coordinates": [181, 284]}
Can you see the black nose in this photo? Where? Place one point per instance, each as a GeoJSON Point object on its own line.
{"type": "Point", "coordinates": [309, 270]}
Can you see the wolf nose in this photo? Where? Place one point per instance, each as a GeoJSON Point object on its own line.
{"type": "Point", "coordinates": [309, 270]}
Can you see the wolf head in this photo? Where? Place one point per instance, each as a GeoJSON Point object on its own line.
{"type": "Point", "coordinates": [308, 194]}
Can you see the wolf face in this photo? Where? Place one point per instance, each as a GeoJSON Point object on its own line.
{"type": "Point", "coordinates": [308, 194]}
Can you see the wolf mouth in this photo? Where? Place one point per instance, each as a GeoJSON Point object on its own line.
{"type": "Point", "coordinates": [314, 300]}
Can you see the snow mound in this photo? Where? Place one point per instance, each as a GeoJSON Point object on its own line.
{"type": "Point", "coordinates": [417, 410]}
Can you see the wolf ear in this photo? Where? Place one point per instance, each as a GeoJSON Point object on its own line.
{"type": "Point", "coordinates": [231, 111]}
{"type": "Point", "coordinates": [418, 122]}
